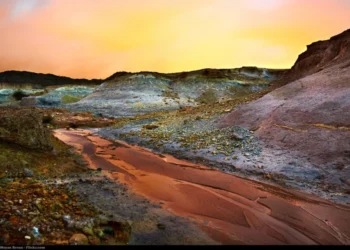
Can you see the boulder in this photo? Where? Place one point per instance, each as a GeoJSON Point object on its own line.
{"type": "Point", "coordinates": [28, 101]}
{"type": "Point", "coordinates": [28, 173]}
{"type": "Point", "coordinates": [24, 127]}
{"type": "Point", "coordinates": [78, 239]}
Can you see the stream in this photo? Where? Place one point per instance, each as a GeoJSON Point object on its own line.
{"type": "Point", "coordinates": [230, 209]}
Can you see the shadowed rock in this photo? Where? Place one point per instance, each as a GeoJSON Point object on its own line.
{"type": "Point", "coordinates": [78, 239]}
{"type": "Point", "coordinates": [24, 127]}
{"type": "Point", "coordinates": [28, 101]}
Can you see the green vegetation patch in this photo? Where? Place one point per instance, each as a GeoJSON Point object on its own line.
{"type": "Point", "coordinates": [39, 93]}
{"type": "Point", "coordinates": [71, 99]}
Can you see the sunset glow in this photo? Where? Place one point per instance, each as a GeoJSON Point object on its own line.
{"type": "Point", "coordinates": [94, 39]}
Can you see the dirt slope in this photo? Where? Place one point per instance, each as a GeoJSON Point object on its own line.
{"type": "Point", "coordinates": [305, 126]}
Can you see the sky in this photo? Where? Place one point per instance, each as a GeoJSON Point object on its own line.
{"type": "Point", "coordinates": [96, 38]}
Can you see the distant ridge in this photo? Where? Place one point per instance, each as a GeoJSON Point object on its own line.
{"type": "Point", "coordinates": [207, 72]}
{"type": "Point", "coordinates": [25, 77]}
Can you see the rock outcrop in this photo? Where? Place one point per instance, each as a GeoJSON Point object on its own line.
{"type": "Point", "coordinates": [24, 127]}
{"type": "Point", "coordinates": [318, 56]}
{"type": "Point", "coordinates": [322, 54]}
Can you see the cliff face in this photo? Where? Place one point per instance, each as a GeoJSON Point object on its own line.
{"type": "Point", "coordinates": [305, 125]}
{"type": "Point", "coordinates": [323, 54]}
{"type": "Point", "coordinates": [320, 55]}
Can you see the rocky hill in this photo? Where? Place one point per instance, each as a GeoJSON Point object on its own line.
{"type": "Point", "coordinates": [38, 80]}
{"type": "Point", "coordinates": [304, 127]}
{"type": "Point", "coordinates": [128, 94]}
{"type": "Point", "coordinates": [295, 133]}
{"type": "Point", "coordinates": [47, 89]}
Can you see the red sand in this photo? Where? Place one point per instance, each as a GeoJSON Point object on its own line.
{"type": "Point", "coordinates": [232, 210]}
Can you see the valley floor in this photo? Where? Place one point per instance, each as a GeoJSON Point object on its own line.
{"type": "Point", "coordinates": [137, 193]}
{"type": "Point", "coordinates": [229, 209]}
{"type": "Point", "coordinates": [193, 134]}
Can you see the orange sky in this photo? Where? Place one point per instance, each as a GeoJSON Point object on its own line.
{"type": "Point", "coordinates": [95, 38]}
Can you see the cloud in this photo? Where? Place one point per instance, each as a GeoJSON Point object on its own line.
{"type": "Point", "coordinates": [21, 7]}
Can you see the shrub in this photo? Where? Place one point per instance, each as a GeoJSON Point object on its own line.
{"type": "Point", "coordinates": [47, 118]}
{"type": "Point", "coordinates": [72, 125]}
{"type": "Point", "coordinates": [208, 97]}
{"type": "Point", "coordinates": [18, 95]}
{"type": "Point", "coordinates": [70, 99]}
